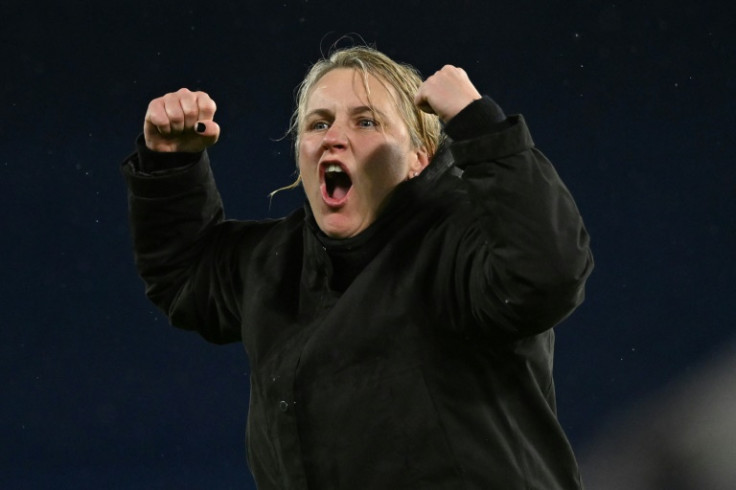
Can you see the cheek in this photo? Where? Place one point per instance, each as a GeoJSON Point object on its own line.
{"type": "Point", "coordinates": [387, 168]}
{"type": "Point", "coordinates": [301, 151]}
{"type": "Point", "coordinates": [309, 181]}
{"type": "Point", "coordinates": [304, 156]}
{"type": "Point", "coordinates": [393, 162]}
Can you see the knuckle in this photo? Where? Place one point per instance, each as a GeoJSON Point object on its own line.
{"type": "Point", "coordinates": [169, 98]}
{"type": "Point", "coordinates": [155, 113]}
{"type": "Point", "coordinates": [155, 104]}
{"type": "Point", "coordinates": [206, 103]}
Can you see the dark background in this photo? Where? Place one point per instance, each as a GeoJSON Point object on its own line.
{"type": "Point", "coordinates": [632, 101]}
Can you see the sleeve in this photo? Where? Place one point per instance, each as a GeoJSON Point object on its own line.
{"type": "Point", "coordinates": [524, 256]}
{"type": "Point", "coordinates": [182, 243]}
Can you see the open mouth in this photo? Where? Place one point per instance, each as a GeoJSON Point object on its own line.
{"type": "Point", "coordinates": [337, 182]}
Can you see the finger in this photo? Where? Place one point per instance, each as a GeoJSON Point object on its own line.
{"type": "Point", "coordinates": [425, 107]}
{"type": "Point", "coordinates": [420, 100]}
{"type": "Point", "coordinates": [189, 108]}
{"type": "Point", "coordinates": [175, 112]}
{"type": "Point", "coordinates": [206, 106]}
{"type": "Point", "coordinates": [156, 120]}
{"type": "Point", "coordinates": [209, 130]}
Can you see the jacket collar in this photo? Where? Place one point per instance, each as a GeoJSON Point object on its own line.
{"type": "Point", "coordinates": [349, 256]}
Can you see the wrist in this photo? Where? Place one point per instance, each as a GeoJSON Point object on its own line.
{"type": "Point", "coordinates": [480, 117]}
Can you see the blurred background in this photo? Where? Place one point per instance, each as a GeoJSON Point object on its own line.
{"type": "Point", "coordinates": [632, 101]}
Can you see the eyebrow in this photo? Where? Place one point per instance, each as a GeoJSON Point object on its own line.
{"type": "Point", "coordinates": [364, 108]}
{"type": "Point", "coordinates": [353, 111]}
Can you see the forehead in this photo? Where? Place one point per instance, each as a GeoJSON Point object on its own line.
{"type": "Point", "coordinates": [348, 86]}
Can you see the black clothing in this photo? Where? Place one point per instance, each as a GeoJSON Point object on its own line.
{"type": "Point", "coordinates": [417, 354]}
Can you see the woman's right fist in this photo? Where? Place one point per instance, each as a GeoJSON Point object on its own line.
{"type": "Point", "coordinates": [181, 121]}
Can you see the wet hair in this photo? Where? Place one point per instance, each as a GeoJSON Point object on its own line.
{"type": "Point", "coordinates": [424, 129]}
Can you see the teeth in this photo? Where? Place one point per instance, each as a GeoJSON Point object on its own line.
{"type": "Point", "coordinates": [333, 168]}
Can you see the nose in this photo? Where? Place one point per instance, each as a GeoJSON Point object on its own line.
{"type": "Point", "coordinates": [335, 137]}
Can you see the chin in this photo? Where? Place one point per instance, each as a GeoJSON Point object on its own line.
{"type": "Point", "coordinates": [338, 232]}
{"type": "Point", "coordinates": [339, 227]}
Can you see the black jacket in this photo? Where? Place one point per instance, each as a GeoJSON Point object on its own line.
{"type": "Point", "coordinates": [417, 355]}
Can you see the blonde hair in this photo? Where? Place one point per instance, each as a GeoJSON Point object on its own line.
{"type": "Point", "coordinates": [424, 129]}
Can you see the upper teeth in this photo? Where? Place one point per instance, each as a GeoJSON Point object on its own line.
{"type": "Point", "coordinates": [333, 168]}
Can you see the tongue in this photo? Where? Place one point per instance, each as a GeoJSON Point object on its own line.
{"type": "Point", "coordinates": [338, 185]}
{"type": "Point", "coordinates": [340, 192]}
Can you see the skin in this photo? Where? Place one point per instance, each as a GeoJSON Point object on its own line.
{"type": "Point", "coordinates": [374, 148]}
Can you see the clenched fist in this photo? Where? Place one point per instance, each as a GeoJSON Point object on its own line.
{"type": "Point", "coordinates": [181, 121]}
{"type": "Point", "coordinates": [446, 93]}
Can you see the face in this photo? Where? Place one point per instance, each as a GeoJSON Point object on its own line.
{"type": "Point", "coordinates": [353, 152]}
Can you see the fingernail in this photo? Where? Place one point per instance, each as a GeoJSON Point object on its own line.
{"type": "Point", "coordinates": [200, 127]}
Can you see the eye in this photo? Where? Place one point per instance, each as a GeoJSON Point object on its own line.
{"type": "Point", "coordinates": [318, 126]}
{"type": "Point", "coordinates": [367, 123]}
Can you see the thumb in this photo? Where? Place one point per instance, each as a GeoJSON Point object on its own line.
{"type": "Point", "coordinates": [421, 101]}
{"type": "Point", "coordinates": [424, 106]}
{"type": "Point", "coordinates": [208, 129]}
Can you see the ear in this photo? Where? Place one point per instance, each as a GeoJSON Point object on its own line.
{"type": "Point", "coordinates": [419, 162]}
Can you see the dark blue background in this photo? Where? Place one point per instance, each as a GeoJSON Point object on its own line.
{"type": "Point", "coordinates": [632, 102]}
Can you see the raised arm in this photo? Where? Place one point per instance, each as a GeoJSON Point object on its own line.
{"type": "Point", "coordinates": [177, 218]}
{"type": "Point", "coordinates": [522, 257]}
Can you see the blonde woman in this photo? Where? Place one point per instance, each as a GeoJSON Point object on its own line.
{"type": "Point", "coordinates": [399, 325]}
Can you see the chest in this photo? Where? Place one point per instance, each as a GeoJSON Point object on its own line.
{"type": "Point", "coordinates": [382, 313]}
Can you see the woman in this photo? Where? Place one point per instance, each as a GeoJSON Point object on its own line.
{"type": "Point", "coordinates": [399, 326]}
